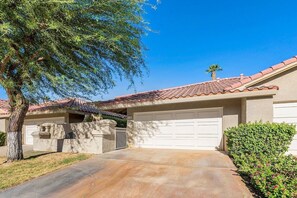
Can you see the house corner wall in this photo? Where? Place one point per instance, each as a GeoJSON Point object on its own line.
{"type": "Point", "coordinates": [257, 109]}
{"type": "Point", "coordinates": [3, 125]}
{"type": "Point", "coordinates": [243, 110]}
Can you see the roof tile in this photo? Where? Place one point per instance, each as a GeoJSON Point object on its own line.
{"type": "Point", "coordinates": [256, 76]}
{"type": "Point", "coordinates": [267, 71]}
{"type": "Point", "coordinates": [246, 80]}
{"type": "Point", "coordinates": [222, 86]}
{"type": "Point", "coordinates": [67, 103]}
{"type": "Point", "coordinates": [200, 89]}
{"type": "Point", "coordinates": [263, 73]}
{"type": "Point", "coordinates": [278, 66]}
{"type": "Point", "coordinates": [289, 61]}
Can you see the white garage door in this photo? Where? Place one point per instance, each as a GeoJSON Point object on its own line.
{"type": "Point", "coordinates": [287, 113]}
{"type": "Point", "coordinates": [186, 129]}
{"type": "Point", "coordinates": [29, 130]}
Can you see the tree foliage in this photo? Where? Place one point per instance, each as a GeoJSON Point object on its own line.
{"type": "Point", "coordinates": [213, 69]}
{"type": "Point", "coordinates": [65, 48]}
{"type": "Point", "coordinates": [69, 47]}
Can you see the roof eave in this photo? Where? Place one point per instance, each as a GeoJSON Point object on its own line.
{"type": "Point", "coordinates": [60, 111]}
{"type": "Point", "coordinates": [234, 95]}
{"type": "Point", "coordinates": [267, 76]}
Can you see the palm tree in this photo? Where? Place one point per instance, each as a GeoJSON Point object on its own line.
{"type": "Point", "coordinates": [213, 70]}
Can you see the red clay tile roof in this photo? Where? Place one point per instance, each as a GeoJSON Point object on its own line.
{"type": "Point", "coordinates": [200, 89]}
{"type": "Point", "coordinates": [263, 73]}
{"type": "Point", "coordinates": [4, 106]}
{"type": "Point", "coordinates": [68, 103]}
{"type": "Point", "coordinates": [222, 86]}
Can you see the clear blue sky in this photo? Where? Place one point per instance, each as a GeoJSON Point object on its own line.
{"type": "Point", "coordinates": [242, 36]}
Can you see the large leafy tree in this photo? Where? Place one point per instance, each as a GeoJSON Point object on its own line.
{"type": "Point", "coordinates": [65, 48]}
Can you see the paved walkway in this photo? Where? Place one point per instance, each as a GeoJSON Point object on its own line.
{"type": "Point", "coordinates": [141, 173]}
{"type": "Point", "coordinates": [26, 148]}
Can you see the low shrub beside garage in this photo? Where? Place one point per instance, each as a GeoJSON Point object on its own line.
{"type": "Point", "coordinates": [258, 150]}
{"type": "Point", "coordinates": [2, 138]}
{"type": "Point", "coordinates": [122, 123]}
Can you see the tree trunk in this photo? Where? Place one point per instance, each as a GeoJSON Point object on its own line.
{"type": "Point", "coordinates": [19, 107]}
{"type": "Point", "coordinates": [213, 75]}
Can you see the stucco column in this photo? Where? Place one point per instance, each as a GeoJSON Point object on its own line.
{"type": "Point", "coordinates": [257, 109]}
{"type": "Point", "coordinates": [36, 140]}
{"type": "Point", "coordinates": [105, 136]}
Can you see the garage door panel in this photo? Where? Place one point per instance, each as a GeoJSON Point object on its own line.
{"type": "Point", "coordinates": [294, 143]}
{"type": "Point", "coordinates": [208, 120]}
{"type": "Point", "coordinates": [185, 143]}
{"type": "Point", "coordinates": [286, 120]}
{"type": "Point", "coordinates": [211, 129]}
{"type": "Point", "coordinates": [287, 113]}
{"type": "Point", "coordinates": [285, 110]}
{"type": "Point", "coordinates": [208, 141]}
{"type": "Point", "coordinates": [159, 124]}
{"type": "Point", "coordinates": [191, 129]}
{"type": "Point", "coordinates": [29, 129]}
{"type": "Point", "coordinates": [184, 123]}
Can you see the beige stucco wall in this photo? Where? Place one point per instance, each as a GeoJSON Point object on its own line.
{"type": "Point", "coordinates": [286, 82]}
{"type": "Point", "coordinates": [3, 125]}
{"type": "Point", "coordinates": [57, 118]}
{"type": "Point", "coordinates": [44, 118]}
{"type": "Point", "coordinates": [91, 137]}
{"type": "Point", "coordinates": [257, 109]}
{"type": "Point", "coordinates": [231, 110]}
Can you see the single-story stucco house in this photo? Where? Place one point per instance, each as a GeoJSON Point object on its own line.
{"type": "Point", "coordinates": [63, 111]}
{"type": "Point", "coordinates": [195, 116]}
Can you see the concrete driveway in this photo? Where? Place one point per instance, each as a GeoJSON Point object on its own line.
{"type": "Point", "coordinates": [141, 173]}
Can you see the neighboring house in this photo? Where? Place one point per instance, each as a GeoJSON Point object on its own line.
{"type": "Point", "coordinates": [195, 116]}
{"type": "Point", "coordinates": [70, 110]}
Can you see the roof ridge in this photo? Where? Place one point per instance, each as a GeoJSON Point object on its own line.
{"type": "Point", "coordinates": [178, 87]}
{"type": "Point", "coordinates": [262, 73]}
{"type": "Point", "coordinates": [250, 89]}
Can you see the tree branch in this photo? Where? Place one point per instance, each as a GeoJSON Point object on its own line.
{"type": "Point", "coordinates": [4, 62]}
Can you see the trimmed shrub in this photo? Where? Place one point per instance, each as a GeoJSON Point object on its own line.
{"type": "Point", "coordinates": [122, 123]}
{"type": "Point", "coordinates": [272, 177]}
{"type": "Point", "coordinates": [2, 138]}
{"type": "Point", "coordinates": [258, 150]}
{"type": "Point", "coordinates": [271, 139]}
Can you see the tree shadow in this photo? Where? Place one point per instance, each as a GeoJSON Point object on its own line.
{"type": "Point", "coordinates": [38, 154]}
{"type": "Point", "coordinates": [247, 181]}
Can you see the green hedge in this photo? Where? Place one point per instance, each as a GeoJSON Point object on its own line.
{"type": "Point", "coordinates": [258, 149]}
{"type": "Point", "coordinates": [260, 138]}
{"type": "Point", "coordinates": [2, 138]}
{"type": "Point", "coordinates": [122, 123]}
{"type": "Point", "coordinates": [273, 177]}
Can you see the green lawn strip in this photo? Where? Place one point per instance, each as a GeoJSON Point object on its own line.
{"type": "Point", "coordinates": [35, 165]}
